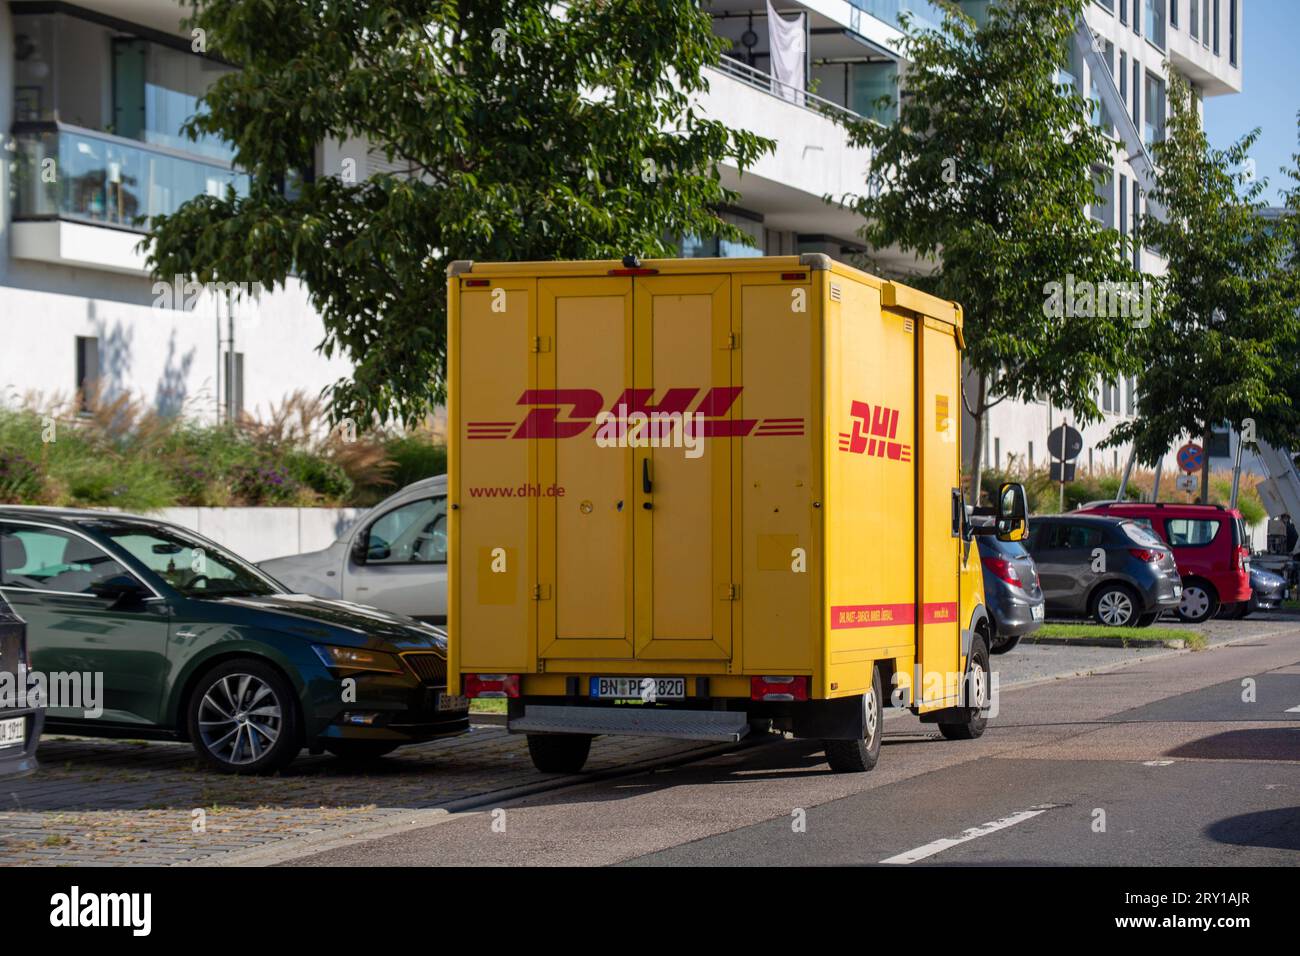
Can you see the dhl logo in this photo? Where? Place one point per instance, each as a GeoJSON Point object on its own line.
{"type": "Point", "coordinates": [570, 412]}
{"type": "Point", "coordinates": [874, 432]}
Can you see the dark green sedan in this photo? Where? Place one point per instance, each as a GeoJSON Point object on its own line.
{"type": "Point", "coordinates": [143, 629]}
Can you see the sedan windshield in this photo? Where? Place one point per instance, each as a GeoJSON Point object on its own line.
{"type": "Point", "coordinates": [193, 566]}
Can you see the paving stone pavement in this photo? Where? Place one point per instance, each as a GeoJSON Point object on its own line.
{"type": "Point", "coordinates": [150, 803]}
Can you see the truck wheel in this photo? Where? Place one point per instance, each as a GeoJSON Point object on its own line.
{"type": "Point", "coordinates": [1200, 603]}
{"type": "Point", "coordinates": [976, 686]}
{"type": "Point", "coordinates": [559, 753]}
{"type": "Point", "coordinates": [859, 756]}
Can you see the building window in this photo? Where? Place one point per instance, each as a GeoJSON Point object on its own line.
{"type": "Point", "coordinates": [1123, 10]}
{"type": "Point", "coordinates": [1205, 22]}
{"type": "Point", "coordinates": [1173, 13]}
{"type": "Point", "coordinates": [1137, 17]}
{"type": "Point", "coordinates": [1123, 206]}
{"type": "Point", "coordinates": [1123, 76]}
{"type": "Point", "coordinates": [1217, 21]}
{"type": "Point", "coordinates": [1137, 216]}
{"type": "Point", "coordinates": [1107, 5]}
{"type": "Point", "coordinates": [1194, 20]}
{"type": "Point", "coordinates": [1137, 93]}
{"type": "Point", "coordinates": [1232, 31]}
{"type": "Point", "coordinates": [1154, 130]}
{"type": "Point", "coordinates": [1102, 209]}
{"type": "Point", "coordinates": [87, 372]}
{"type": "Point", "coordinates": [1131, 403]}
{"type": "Point", "coordinates": [234, 397]}
{"type": "Point", "coordinates": [1155, 19]}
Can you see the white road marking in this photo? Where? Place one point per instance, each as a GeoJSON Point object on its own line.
{"type": "Point", "coordinates": [972, 833]}
{"type": "Point", "coordinates": [1292, 710]}
{"type": "Point", "coordinates": [1157, 763]}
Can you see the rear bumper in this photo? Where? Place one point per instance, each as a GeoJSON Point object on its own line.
{"type": "Point", "coordinates": [20, 759]}
{"type": "Point", "coordinates": [1015, 618]}
{"type": "Point", "coordinates": [715, 725]}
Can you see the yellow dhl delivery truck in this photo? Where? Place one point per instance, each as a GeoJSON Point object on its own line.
{"type": "Point", "coordinates": [689, 497]}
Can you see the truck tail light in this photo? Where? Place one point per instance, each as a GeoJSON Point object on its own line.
{"type": "Point", "coordinates": [491, 685]}
{"type": "Point", "coordinates": [1146, 554]}
{"type": "Point", "coordinates": [1003, 569]}
{"type": "Point", "coordinates": [778, 688]}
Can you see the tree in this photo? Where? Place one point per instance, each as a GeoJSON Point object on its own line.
{"type": "Point", "coordinates": [534, 131]}
{"type": "Point", "coordinates": [987, 177]}
{"type": "Point", "coordinates": [1225, 350]}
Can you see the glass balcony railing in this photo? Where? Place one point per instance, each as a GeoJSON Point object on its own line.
{"type": "Point", "coordinates": [66, 173]}
{"type": "Point", "coordinates": [924, 13]}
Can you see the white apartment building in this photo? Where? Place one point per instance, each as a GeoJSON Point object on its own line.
{"type": "Point", "coordinates": [102, 87]}
{"type": "Point", "coordinates": [93, 99]}
{"type": "Point", "coordinates": [853, 58]}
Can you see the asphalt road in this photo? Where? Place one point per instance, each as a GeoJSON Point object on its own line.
{"type": "Point", "coordinates": [1187, 759]}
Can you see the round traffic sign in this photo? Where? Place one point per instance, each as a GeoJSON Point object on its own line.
{"type": "Point", "coordinates": [1190, 457]}
{"type": "Point", "coordinates": [1065, 443]}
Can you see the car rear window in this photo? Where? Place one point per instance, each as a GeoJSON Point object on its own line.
{"type": "Point", "coordinates": [1191, 532]}
{"type": "Point", "coordinates": [1139, 532]}
{"type": "Point", "coordinates": [1005, 549]}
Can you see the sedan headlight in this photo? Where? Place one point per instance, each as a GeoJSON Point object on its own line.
{"type": "Point", "coordinates": [356, 658]}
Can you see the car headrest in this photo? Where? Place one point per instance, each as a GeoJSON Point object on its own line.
{"type": "Point", "coordinates": [13, 553]}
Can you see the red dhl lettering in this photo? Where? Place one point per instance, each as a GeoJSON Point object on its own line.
{"type": "Point", "coordinates": [873, 433]}
{"type": "Point", "coordinates": [571, 412]}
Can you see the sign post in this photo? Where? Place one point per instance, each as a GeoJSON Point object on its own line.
{"type": "Point", "coordinates": [1191, 459]}
{"type": "Point", "coordinates": [1063, 444]}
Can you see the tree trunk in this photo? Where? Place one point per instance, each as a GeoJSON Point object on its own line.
{"type": "Point", "coordinates": [977, 454]}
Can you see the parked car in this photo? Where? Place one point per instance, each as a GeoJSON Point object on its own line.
{"type": "Point", "coordinates": [195, 643]}
{"type": "Point", "coordinates": [1012, 594]}
{"type": "Point", "coordinates": [1209, 543]}
{"type": "Point", "coordinates": [20, 718]}
{"type": "Point", "coordinates": [1267, 591]}
{"type": "Point", "coordinates": [1113, 571]}
{"type": "Point", "coordinates": [394, 557]}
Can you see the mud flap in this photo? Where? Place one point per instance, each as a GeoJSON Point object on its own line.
{"type": "Point", "coordinates": [843, 718]}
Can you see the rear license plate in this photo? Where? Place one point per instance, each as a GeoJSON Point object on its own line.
{"type": "Point", "coordinates": [1036, 612]}
{"type": "Point", "coordinates": [638, 688]}
{"type": "Point", "coordinates": [452, 702]}
{"type": "Point", "coordinates": [13, 732]}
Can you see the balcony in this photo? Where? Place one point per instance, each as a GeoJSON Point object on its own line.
{"type": "Point", "coordinates": [66, 173]}
{"type": "Point", "coordinates": [761, 80]}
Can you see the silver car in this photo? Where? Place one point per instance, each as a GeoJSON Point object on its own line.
{"type": "Point", "coordinates": [393, 558]}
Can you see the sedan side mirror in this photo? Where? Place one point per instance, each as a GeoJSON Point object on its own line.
{"type": "Point", "coordinates": [1012, 521]}
{"type": "Point", "coordinates": [120, 589]}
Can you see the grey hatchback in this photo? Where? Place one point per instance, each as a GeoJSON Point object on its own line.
{"type": "Point", "coordinates": [1012, 594]}
{"type": "Point", "coordinates": [1110, 569]}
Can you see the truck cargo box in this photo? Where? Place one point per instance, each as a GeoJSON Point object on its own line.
{"type": "Point", "coordinates": [702, 486]}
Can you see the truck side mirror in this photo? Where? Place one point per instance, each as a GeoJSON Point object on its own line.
{"type": "Point", "coordinates": [1012, 521]}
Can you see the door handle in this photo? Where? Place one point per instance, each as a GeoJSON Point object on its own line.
{"type": "Point", "coordinates": [645, 475]}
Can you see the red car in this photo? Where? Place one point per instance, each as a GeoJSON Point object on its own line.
{"type": "Point", "coordinates": [1210, 545]}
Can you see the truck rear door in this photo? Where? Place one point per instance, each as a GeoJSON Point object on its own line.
{"type": "Point", "coordinates": [633, 451]}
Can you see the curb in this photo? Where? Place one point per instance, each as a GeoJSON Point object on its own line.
{"type": "Point", "coordinates": [1176, 643]}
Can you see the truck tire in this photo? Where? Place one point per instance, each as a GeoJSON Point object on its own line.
{"type": "Point", "coordinates": [859, 756]}
{"type": "Point", "coordinates": [559, 753]}
{"type": "Point", "coordinates": [976, 686]}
